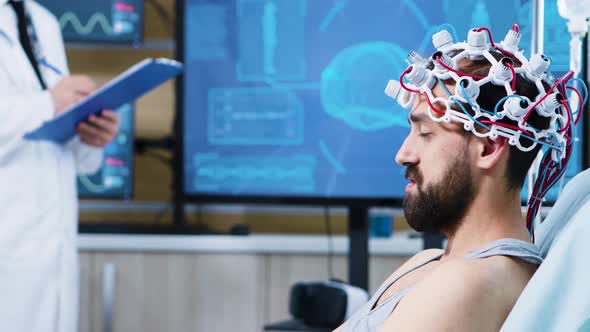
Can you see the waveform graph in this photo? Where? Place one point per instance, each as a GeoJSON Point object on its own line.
{"type": "Point", "coordinates": [216, 172]}
{"type": "Point", "coordinates": [115, 20]}
{"type": "Point", "coordinates": [97, 23]}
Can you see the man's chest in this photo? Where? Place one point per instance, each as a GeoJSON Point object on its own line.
{"type": "Point", "coordinates": [406, 280]}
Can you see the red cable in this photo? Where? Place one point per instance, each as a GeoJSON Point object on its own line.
{"type": "Point", "coordinates": [515, 28]}
{"type": "Point", "coordinates": [432, 106]}
{"type": "Point", "coordinates": [492, 42]}
{"type": "Point", "coordinates": [513, 75]}
{"type": "Point", "coordinates": [401, 81]}
{"type": "Point", "coordinates": [537, 196]}
{"type": "Point", "coordinates": [565, 78]}
{"type": "Point", "coordinates": [536, 188]}
{"type": "Point", "coordinates": [555, 176]}
{"type": "Point", "coordinates": [569, 117]}
{"type": "Point", "coordinates": [581, 102]}
{"type": "Point", "coordinates": [456, 71]}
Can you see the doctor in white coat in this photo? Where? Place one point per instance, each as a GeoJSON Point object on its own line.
{"type": "Point", "coordinates": [38, 199]}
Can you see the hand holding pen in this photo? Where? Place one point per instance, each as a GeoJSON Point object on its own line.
{"type": "Point", "coordinates": [98, 130]}
{"type": "Point", "coordinates": [71, 90]}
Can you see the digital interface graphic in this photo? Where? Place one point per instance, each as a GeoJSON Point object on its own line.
{"type": "Point", "coordinates": [285, 97]}
{"type": "Point", "coordinates": [101, 21]}
{"type": "Point", "coordinates": [115, 178]}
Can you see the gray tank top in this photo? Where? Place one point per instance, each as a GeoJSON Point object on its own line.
{"type": "Point", "coordinates": [370, 317]}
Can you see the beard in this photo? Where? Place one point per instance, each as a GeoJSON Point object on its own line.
{"type": "Point", "coordinates": [440, 207]}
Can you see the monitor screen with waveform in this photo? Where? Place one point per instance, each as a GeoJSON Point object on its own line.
{"type": "Point", "coordinates": [99, 21]}
{"type": "Point", "coordinates": [114, 180]}
{"type": "Point", "coordinates": [284, 98]}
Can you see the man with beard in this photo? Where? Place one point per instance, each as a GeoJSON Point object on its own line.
{"type": "Point", "coordinates": [468, 188]}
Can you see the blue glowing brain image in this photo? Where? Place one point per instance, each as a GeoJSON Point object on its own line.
{"type": "Point", "coordinates": [353, 83]}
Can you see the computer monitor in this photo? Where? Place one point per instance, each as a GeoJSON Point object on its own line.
{"type": "Point", "coordinates": [282, 100]}
{"type": "Point", "coordinates": [114, 180]}
{"type": "Point", "coordinates": [99, 21]}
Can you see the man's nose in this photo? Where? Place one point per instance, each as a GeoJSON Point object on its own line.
{"type": "Point", "coordinates": [406, 154]}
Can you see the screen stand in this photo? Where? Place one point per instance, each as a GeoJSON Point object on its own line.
{"type": "Point", "coordinates": [358, 252]}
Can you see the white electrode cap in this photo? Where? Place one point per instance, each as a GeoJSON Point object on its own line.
{"type": "Point", "coordinates": [548, 106]}
{"type": "Point", "coordinates": [476, 43]}
{"type": "Point", "coordinates": [501, 73]}
{"type": "Point", "coordinates": [511, 41]}
{"type": "Point", "coordinates": [404, 98]}
{"type": "Point", "coordinates": [467, 89]}
{"type": "Point", "coordinates": [393, 89]}
{"type": "Point", "coordinates": [447, 60]}
{"type": "Point", "coordinates": [420, 76]}
{"type": "Point", "coordinates": [537, 66]}
{"type": "Point", "coordinates": [516, 107]}
{"type": "Point", "coordinates": [442, 40]}
{"type": "Point", "coordinates": [416, 58]}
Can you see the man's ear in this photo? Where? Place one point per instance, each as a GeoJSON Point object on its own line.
{"type": "Point", "coordinates": [491, 152]}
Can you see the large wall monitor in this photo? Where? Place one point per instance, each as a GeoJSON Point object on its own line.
{"type": "Point", "coordinates": [283, 99]}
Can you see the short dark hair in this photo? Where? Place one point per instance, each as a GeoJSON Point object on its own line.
{"type": "Point", "coordinates": [490, 94]}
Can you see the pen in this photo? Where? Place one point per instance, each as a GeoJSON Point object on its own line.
{"type": "Point", "coordinates": [51, 67]}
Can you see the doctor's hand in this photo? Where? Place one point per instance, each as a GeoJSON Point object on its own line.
{"type": "Point", "coordinates": [99, 130]}
{"type": "Point", "coordinates": [70, 90]}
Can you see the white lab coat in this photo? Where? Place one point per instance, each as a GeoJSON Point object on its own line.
{"type": "Point", "coordinates": [38, 199]}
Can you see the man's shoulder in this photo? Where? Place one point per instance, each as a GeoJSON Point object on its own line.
{"type": "Point", "coordinates": [492, 284]}
{"type": "Point", "coordinates": [423, 256]}
{"type": "Point", "coordinates": [497, 276]}
{"type": "Point", "coordinates": [464, 272]}
{"type": "Point", "coordinates": [415, 260]}
{"type": "Point", "coordinates": [472, 292]}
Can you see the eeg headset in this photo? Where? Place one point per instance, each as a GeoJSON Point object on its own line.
{"type": "Point", "coordinates": [556, 141]}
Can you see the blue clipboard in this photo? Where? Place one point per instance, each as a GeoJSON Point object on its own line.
{"type": "Point", "coordinates": [130, 85]}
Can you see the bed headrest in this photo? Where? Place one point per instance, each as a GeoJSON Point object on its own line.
{"type": "Point", "coordinates": [575, 194]}
{"type": "Point", "coordinates": [557, 298]}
